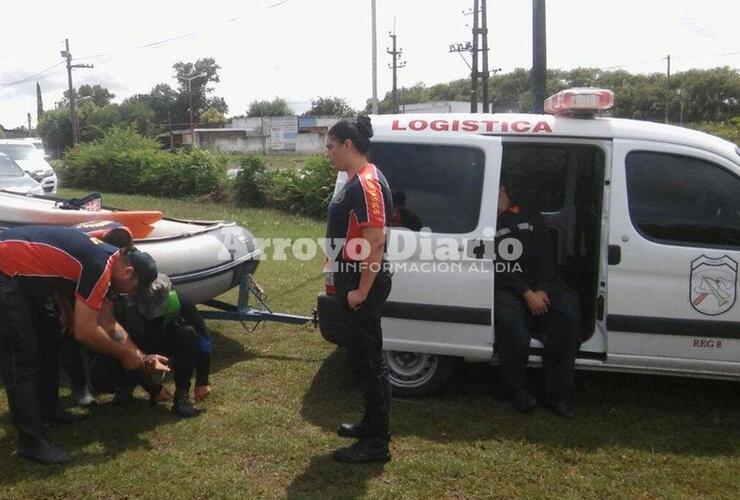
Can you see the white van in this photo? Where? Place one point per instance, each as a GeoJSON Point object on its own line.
{"type": "Point", "coordinates": [645, 220]}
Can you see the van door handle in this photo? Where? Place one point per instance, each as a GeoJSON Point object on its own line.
{"type": "Point", "coordinates": [615, 255]}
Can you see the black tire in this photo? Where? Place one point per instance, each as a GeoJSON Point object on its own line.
{"type": "Point", "coordinates": [417, 374]}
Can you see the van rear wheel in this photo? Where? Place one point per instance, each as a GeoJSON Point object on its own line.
{"type": "Point", "coordinates": [417, 374]}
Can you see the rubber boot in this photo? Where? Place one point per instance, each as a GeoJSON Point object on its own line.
{"type": "Point", "coordinates": [366, 450]}
{"type": "Point", "coordinates": [33, 443]}
{"type": "Point", "coordinates": [355, 431]}
{"type": "Point", "coordinates": [182, 406]}
{"type": "Point", "coordinates": [41, 451]}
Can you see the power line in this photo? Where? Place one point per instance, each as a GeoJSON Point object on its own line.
{"type": "Point", "coordinates": [30, 78]}
{"type": "Point", "coordinates": [659, 59]}
{"type": "Point", "coordinates": [147, 46]}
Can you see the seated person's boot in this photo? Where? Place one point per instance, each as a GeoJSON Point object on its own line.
{"type": "Point", "coordinates": [182, 406]}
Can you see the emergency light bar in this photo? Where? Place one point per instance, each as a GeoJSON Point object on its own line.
{"type": "Point", "coordinates": [579, 101]}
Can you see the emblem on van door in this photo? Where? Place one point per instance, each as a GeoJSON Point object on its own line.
{"type": "Point", "coordinates": [713, 284]}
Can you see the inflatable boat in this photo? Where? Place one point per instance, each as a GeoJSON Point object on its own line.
{"type": "Point", "coordinates": [202, 258]}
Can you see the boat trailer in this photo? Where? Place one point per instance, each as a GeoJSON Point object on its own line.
{"type": "Point", "coordinates": [243, 311]}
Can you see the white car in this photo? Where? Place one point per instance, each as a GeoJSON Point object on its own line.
{"type": "Point", "coordinates": [31, 160]}
{"type": "Point", "coordinates": [13, 178]}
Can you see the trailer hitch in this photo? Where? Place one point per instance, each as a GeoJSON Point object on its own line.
{"type": "Point", "coordinates": [243, 311]}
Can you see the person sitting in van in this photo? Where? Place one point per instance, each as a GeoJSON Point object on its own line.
{"type": "Point", "coordinates": [531, 299]}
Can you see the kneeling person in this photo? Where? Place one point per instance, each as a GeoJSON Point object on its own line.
{"type": "Point", "coordinates": [159, 322]}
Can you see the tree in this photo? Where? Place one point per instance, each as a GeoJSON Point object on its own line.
{"type": "Point", "coordinates": [276, 107]}
{"type": "Point", "coordinates": [197, 89]}
{"type": "Point", "coordinates": [329, 106]}
{"type": "Point", "coordinates": [55, 130]}
{"type": "Point", "coordinates": [212, 118]}
{"type": "Point", "coordinates": [97, 94]}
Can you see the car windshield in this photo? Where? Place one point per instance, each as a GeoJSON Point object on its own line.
{"type": "Point", "coordinates": [21, 151]}
{"type": "Point", "coordinates": [8, 168]}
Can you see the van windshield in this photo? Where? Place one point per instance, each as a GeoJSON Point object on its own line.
{"type": "Point", "coordinates": [21, 151]}
{"type": "Point", "coordinates": [8, 168]}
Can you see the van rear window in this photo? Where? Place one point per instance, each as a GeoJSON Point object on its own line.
{"type": "Point", "coordinates": [433, 186]}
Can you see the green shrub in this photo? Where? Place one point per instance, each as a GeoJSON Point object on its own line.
{"type": "Point", "coordinates": [125, 162]}
{"type": "Point", "coordinates": [247, 189]}
{"type": "Point", "coordinates": [306, 191]}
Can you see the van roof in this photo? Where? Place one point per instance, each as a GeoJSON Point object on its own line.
{"type": "Point", "coordinates": [529, 125]}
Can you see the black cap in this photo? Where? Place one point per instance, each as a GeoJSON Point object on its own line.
{"type": "Point", "coordinates": [151, 300]}
{"type": "Point", "coordinates": [144, 265]}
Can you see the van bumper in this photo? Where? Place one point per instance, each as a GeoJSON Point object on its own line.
{"type": "Point", "coordinates": [330, 321]}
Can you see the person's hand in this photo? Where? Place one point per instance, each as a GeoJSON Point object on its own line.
{"type": "Point", "coordinates": [202, 392]}
{"type": "Point", "coordinates": [355, 298]}
{"type": "Point", "coordinates": [537, 302]}
{"type": "Point", "coordinates": [163, 395]}
{"type": "Point", "coordinates": [155, 363]}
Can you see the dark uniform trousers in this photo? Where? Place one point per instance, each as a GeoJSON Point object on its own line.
{"type": "Point", "coordinates": [559, 330]}
{"type": "Point", "coordinates": [20, 362]}
{"type": "Point", "coordinates": [364, 342]}
{"type": "Point", "coordinates": [177, 341]}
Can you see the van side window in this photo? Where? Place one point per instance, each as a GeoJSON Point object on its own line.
{"type": "Point", "coordinates": [683, 200]}
{"type": "Point", "coordinates": [433, 186]}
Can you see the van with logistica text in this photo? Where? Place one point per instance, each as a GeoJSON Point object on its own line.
{"type": "Point", "coordinates": [645, 225]}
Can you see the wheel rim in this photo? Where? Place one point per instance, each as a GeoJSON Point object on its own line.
{"type": "Point", "coordinates": [410, 369]}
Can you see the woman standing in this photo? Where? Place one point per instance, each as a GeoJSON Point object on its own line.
{"type": "Point", "coordinates": [357, 221]}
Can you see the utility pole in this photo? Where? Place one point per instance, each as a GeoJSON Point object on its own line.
{"type": "Point", "coordinates": [484, 50]}
{"type": "Point", "coordinates": [539, 55]}
{"type": "Point", "coordinates": [395, 65]}
{"type": "Point", "coordinates": [72, 95]}
{"type": "Point", "coordinates": [375, 59]}
{"type": "Point", "coordinates": [474, 74]}
{"type": "Point", "coordinates": [472, 47]}
{"type": "Point", "coordinates": [667, 86]}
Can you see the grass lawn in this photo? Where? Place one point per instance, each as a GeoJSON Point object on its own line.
{"type": "Point", "coordinates": [268, 428]}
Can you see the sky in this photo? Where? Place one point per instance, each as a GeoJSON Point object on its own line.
{"type": "Point", "coordinates": [302, 49]}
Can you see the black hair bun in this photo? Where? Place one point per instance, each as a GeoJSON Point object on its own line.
{"type": "Point", "coordinates": [364, 127]}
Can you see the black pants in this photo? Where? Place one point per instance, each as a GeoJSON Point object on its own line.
{"type": "Point", "coordinates": [559, 330]}
{"type": "Point", "coordinates": [178, 342]}
{"type": "Point", "coordinates": [19, 362]}
{"type": "Point", "coordinates": [364, 341]}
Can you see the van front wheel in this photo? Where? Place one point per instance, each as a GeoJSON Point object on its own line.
{"type": "Point", "coordinates": [417, 374]}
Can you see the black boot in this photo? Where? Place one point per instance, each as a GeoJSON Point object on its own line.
{"type": "Point", "coordinates": [364, 451]}
{"type": "Point", "coordinates": [354, 431]}
{"type": "Point", "coordinates": [523, 401]}
{"type": "Point", "coordinates": [42, 451]}
{"type": "Point", "coordinates": [559, 407]}
{"type": "Point", "coordinates": [182, 406]}
{"type": "Point", "coordinates": [123, 395]}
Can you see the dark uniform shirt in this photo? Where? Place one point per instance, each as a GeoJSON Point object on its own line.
{"type": "Point", "coordinates": [50, 259]}
{"type": "Point", "coordinates": [535, 268]}
{"type": "Point", "coordinates": [364, 201]}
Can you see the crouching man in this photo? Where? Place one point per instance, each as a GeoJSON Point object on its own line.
{"type": "Point", "coordinates": [35, 263]}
